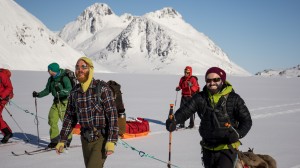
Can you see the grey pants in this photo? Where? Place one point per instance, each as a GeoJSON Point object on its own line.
{"type": "Point", "coordinates": [94, 153]}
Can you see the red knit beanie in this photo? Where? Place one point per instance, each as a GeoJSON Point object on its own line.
{"type": "Point", "coordinates": [218, 71]}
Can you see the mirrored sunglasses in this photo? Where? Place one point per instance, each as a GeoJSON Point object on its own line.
{"type": "Point", "coordinates": [77, 67]}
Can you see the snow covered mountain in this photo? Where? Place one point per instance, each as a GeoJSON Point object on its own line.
{"type": "Point", "coordinates": [157, 42]}
{"type": "Point", "coordinates": [289, 72]}
{"type": "Point", "coordinates": [27, 44]}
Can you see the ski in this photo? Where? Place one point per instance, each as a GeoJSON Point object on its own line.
{"type": "Point", "coordinates": [42, 150]}
{"type": "Point", "coordinates": [47, 150]}
{"type": "Point", "coordinates": [38, 151]}
{"type": "Point", "coordinates": [29, 152]}
{"type": "Point", "coordinates": [9, 143]}
{"type": "Point", "coordinates": [17, 154]}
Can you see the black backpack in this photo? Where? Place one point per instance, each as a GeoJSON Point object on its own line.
{"type": "Point", "coordinates": [116, 89]}
{"type": "Point", "coordinates": [71, 75]}
{"type": "Point", "coordinates": [117, 95]}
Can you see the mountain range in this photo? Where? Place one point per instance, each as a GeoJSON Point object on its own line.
{"type": "Point", "coordinates": [288, 72]}
{"type": "Point", "coordinates": [157, 42]}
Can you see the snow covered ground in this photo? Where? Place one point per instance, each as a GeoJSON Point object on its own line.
{"type": "Point", "coordinates": [274, 104]}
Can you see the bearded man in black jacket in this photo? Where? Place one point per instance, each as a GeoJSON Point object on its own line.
{"type": "Point", "coordinates": [224, 116]}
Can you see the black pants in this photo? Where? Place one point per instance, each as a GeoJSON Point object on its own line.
{"type": "Point", "coordinates": [185, 99]}
{"type": "Point", "coordinates": [219, 159]}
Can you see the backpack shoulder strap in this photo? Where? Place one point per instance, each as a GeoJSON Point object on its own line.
{"type": "Point", "coordinates": [224, 102]}
{"type": "Point", "coordinates": [99, 85]}
{"type": "Point", "coordinates": [194, 77]}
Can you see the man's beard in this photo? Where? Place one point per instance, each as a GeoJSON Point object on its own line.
{"type": "Point", "coordinates": [82, 77]}
{"type": "Point", "coordinates": [216, 89]}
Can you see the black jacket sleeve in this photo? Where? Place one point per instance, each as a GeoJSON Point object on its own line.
{"type": "Point", "coordinates": [242, 115]}
{"type": "Point", "coordinates": [196, 104]}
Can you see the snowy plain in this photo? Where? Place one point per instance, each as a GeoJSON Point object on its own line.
{"type": "Point", "coordinates": [274, 104]}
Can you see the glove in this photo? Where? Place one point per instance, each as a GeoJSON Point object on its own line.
{"type": "Point", "coordinates": [232, 136]}
{"type": "Point", "coordinates": [57, 88]}
{"type": "Point", "coordinates": [177, 88]}
{"type": "Point", "coordinates": [109, 148]}
{"type": "Point", "coordinates": [60, 147]}
{"type": "Point", "coordinates": [190, 84]}
{"type": "Point", "coordinates": [171, 124]}
{"type": "Point", "coordinates": [35, 94]}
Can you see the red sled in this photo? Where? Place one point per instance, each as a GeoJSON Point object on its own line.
{"type": "Point", "coordinates": [136, 128]}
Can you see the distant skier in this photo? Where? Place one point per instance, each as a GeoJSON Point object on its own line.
{"type": "Point", "coordinates": [224, 116]}
{"type": "Point", "coordinates": [59, 85]}
{"type": "Point", "coordinates": [189, 86]}
{"type": "Point", "coordinates": [6, 92]}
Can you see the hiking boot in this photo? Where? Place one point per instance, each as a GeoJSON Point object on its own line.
{"type": "Point", "coordinates": [6, 137]}
{"type": "Point", "coordinates": [52, 145]}
{"type": "Point", "coordinates": [181, 126]}
{"type": "Point", "coordinates": [190, 126]}
{"type": "Point", "coordinates": [7, 134]}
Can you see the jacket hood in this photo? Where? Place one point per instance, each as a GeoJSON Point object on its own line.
{"type": "Point", "coordinates": [189, 68]}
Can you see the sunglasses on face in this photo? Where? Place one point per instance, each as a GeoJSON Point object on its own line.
{"type": "Point", "coordinates": [213, 80]}
{"type": "Point", "coordinates": [187, 72]}
{"type": "Point", "coordinates": [84, 67]}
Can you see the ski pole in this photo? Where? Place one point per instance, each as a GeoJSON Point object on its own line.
{"type": "Point", "coordinates": [170, 134]}
{"type": "Point", "coordinates": [27, 139]}
{"type": "Point", "coordinates": [176, 99]}
{"type": "Point", "coordinates": [37, 123]}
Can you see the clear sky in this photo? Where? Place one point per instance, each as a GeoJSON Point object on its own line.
{"type": "Point", "coordinates": [255, 34]}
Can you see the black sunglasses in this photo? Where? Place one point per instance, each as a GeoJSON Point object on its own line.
{"type": "Point", "coordinates": [213, 80]}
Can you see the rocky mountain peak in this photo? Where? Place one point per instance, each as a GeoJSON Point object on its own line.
{"type": "Point", "coordinates": [98, 9]}
{"type": "Point", "coordinates": [167, 12]}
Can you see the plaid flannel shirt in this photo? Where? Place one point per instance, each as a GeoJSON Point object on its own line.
{"type": "Point", "coordinates": [83, 107]}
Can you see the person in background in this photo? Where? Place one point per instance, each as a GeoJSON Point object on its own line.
{"type": "Point", "coordinates": [189, 86]}
{"type": "Point", "coordinates": [224, 116]}
{"type": "Point", "coordinates": [98, 119]}
{"type": "Point", "coordinates": [6, 93]}
{"type": "Point", "coordinates": [59, 85]}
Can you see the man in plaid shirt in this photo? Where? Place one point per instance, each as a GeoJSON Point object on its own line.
{"type": "Point", "coordinates": [99, 129]}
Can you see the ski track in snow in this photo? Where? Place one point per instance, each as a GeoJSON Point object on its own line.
{"type": "Point", "coordinates": [271, 112]}
{"type": "Point", "coordinates": [277, 106]}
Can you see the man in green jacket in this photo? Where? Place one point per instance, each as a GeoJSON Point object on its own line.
{"type": "Point", "coordinates": [59, 85]}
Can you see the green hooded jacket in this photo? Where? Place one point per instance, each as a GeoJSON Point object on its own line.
{"type": "Point", "coordinates": [57, 87]}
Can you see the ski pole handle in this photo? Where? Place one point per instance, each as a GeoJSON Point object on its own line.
{"type": "Point", "coordinates": [228, 125]}
{"type": "Point", "coordinates": [171, 111]}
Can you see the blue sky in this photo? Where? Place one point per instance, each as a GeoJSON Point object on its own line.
{"type": "Point", "coordinates": [256, 34]}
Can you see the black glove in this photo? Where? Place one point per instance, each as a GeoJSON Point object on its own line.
{"type": "Point", "coordinates": [171, 124]}
{"type": "Point", "coordinates": [232, 136]}
{"type": "Point", "coordinates": [35, 94]}
{"type": "Point", "coordinates": [177, 88]}
{"type": "Point", "coordinates": [57, 88]}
